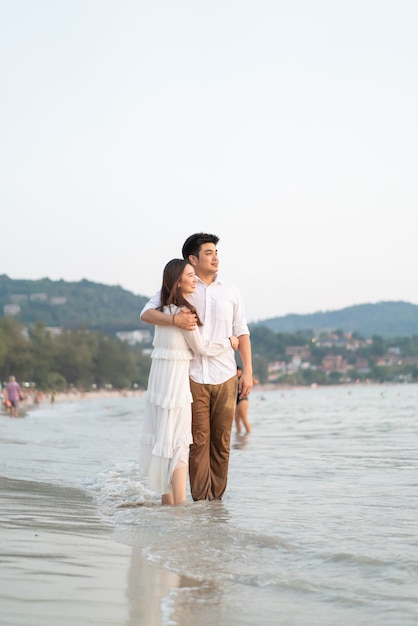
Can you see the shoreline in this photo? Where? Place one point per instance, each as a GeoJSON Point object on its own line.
{"type": "Point", "coordinates": [31, 403]}
{"type": "Point", "coordinates": [61, 564]}
{"type": "Point", "coordinates": [75, 396]}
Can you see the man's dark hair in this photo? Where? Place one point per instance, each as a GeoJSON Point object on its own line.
{"type": "Point", "coordinates": [193, 243]}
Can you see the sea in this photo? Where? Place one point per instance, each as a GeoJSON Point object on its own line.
{"type": "Point", "coordinates": [319, 523]}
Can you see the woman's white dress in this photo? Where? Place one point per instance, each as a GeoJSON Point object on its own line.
{"type": "Point", "coordinates": [167, 428]}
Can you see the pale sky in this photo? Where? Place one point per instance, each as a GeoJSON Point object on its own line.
{"type": "Point", "coordinates": [288, 128]}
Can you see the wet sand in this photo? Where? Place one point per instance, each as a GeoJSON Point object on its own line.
{"type": "Point", "coordinates": [61, 565]}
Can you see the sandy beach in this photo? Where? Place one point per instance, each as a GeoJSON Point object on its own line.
{"type": "Point", "coordinates": [61, 565]}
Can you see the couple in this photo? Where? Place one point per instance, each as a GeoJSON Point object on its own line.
{"type": "Point", "coordinates": [200, 321]}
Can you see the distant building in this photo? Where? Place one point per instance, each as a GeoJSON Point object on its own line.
{"type": "Point", "coordinates": [58, 300]}
{"type": "Point", "coordinates": [362, 365]}
{"type": "Point", "coordinates": [11, 309]}
{"type": "Point", "coordinates": [133, 337]}
{"type": "Point", "coordinates": [277, 366]}
{"type": "Point", "coordinates": [300, 357]}
{"type": "Point", "coordinates": [38, 297]}
{"type": "Point", "coordinates": [388, 360]}
{"type": "Point", "coordinates": [394, 350]}
{"type": "Point", "coordinates": [334, 363]}
{"type": "Point", "coordinates": [54, 330]}
{"type": "Point", "coordinates": [353, 344]}
{"type": "Point", "coordinates": [16, 298]}
{"type": "Point", "coordinates": [302, 352]}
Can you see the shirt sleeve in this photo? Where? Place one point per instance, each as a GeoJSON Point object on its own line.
{"type": "Point", "coordinates": [152, 303]}
{"type": "Point", "coordinates": [239, 325]}
{"type": "Point", "coordinates": [207, 348]}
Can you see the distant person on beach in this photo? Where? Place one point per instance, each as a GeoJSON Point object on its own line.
{"type": "Point", "coordinates": [167, 428]}
{"type": "Point", "coordinates": [13, 394]}
{"type": "Point", "coordinates": [241, 410]}
{"type": "Point", "coordinates": [213, 379]}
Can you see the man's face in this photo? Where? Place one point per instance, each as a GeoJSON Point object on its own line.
{"type": "Point", "coordinates": [207, 261]}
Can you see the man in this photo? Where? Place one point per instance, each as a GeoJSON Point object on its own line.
{"type": "Point", "coordinates": [213, 380]}
{"type": "Point", "coordinates": [13, 396]}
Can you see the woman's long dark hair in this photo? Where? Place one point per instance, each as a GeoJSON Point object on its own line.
{"type": "Point", "coordinates": [170, 292]}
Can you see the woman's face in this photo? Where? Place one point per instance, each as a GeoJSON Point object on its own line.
{"type": "Point", "coordinates": [187, 282]}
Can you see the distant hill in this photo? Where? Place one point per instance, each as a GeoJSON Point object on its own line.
{"type": "Point", "coordinates": [71, 304]}
{"type": "Point", "coordinates": [387, 319]}
{"type": "Point", "coordinates": [112, 309]}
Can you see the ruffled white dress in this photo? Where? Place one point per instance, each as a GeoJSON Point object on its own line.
{"type": "Point", "coordinates": [167, 428]}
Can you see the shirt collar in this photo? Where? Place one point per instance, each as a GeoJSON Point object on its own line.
{"type": "Point", "coordinates": [217, 280]}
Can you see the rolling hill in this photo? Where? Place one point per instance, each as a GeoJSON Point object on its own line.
{"type": "Point", "coordinates": [111, 308]}
{"type": "Point", "coordinates": [387, 319]}
{"type": "Point", "coordinates": [71, 304]}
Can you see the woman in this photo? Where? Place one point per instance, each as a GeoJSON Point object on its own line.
{"type": "Point", "coordinates": [167, 434]}
{"type": "Point", "coordinates": [241, 409]}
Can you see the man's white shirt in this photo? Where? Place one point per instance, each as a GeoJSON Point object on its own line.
{"type": "Point", "coordinates": [221, 310]}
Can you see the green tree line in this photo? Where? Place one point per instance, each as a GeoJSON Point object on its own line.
{"type": "Point", "coordinates": [82, 357]}
{"type": "Point", "coordinates": [76, 357]}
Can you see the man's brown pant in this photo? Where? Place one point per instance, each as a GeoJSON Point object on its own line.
{"type": "Point", "coordinates": [213, 411]}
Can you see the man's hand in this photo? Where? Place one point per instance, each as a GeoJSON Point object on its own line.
{"type": "Point", "coordinates": [185, 320]}
{"type": "Point", "coordinates": [245, 384]}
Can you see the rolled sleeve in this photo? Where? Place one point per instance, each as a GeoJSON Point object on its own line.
{"type": "Point", "coordinates": [240, 326]}
{"type": "Point", "coordinates": [152, 303]}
